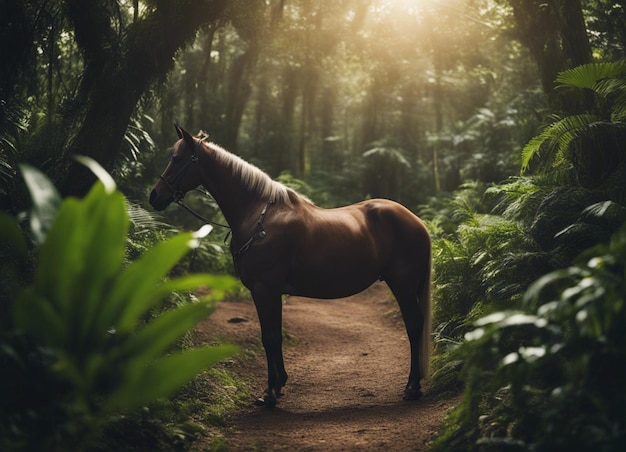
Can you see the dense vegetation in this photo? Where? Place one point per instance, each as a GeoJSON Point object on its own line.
{"type": "Point", "coordinates": [501, 122]}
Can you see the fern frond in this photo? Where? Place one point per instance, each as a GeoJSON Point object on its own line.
{"type": "Point", "coordinates": [143, 220]}
{"type": "Point", "coordinates": [557, 137]}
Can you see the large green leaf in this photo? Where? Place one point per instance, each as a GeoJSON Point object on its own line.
{"type": "Point", "coordinates": [154, 339]}
{"type": "Point", "coordinates": [85, 307]}
{"type": "Point", "coordinates": [12, 238]}
{"type": "Point", "coordinates": [105, 248]}
{"type": "Point", "coordinates": [45, 199]}
{"type": "Point", "coordinates": [133, 292]}
{"type": "Point", "coordinates": [83, 252]}
{"type": "Point", "coordinates": [165, 376]}
{"type": "Point", "coordinates": [61, 257]}
{"type": "Point", "coordinates": [34, 314]}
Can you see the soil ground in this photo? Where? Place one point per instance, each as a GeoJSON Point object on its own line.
{"type": "Point", "coordinates": [348, 361]}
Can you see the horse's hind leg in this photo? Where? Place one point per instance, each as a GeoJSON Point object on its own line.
{"type": "Point", "coordinates": [407, 293]}
{"type": "Point", "coordinates": [269, 309]}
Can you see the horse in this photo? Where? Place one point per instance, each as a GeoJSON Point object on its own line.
{"type": "Point", "coordinates": [282, 243]}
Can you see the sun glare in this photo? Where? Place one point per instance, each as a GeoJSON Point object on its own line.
{"type": "Point", "coordinates": [410, 7]}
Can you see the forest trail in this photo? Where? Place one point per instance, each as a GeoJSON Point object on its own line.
{"type": "Point", "coordinates": [347, 361]}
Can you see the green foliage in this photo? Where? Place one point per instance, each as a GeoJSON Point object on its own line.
{"type": "Point", "coordinates": [86, 313]}
{"type": "Point", "coordinates": [549, 377]}
{"type": "Point", "coordinates": [590, 75]}
{"type": "Point", "coordinates": [12, 120]}
{"type": "Point", "coordinates": [482, 261]}
{"type": "Point", "coordinates": [558, 137]}
{"type": "Point", "coordinates": [45, 200]}
{"type": "Point", "coordinates": [564, 142]}
{"type": "Point", "coordinates": [288, 179]}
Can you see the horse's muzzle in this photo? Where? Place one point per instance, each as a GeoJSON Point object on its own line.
{"type": "Point", "coordinates": [158, 202]}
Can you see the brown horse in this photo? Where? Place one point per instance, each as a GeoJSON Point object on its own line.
{"type": "Point", "coordinates": [283, 244]}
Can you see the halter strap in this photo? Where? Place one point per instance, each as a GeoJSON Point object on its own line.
{"type": "Point", "coordinates": [258, 234]}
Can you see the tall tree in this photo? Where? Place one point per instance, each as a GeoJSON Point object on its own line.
{"type": "Point", "coordinates": [554, 31]}
{"type": "Point", "coordinates": [121, 62]}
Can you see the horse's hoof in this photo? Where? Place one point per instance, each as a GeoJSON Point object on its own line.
{"type": "Point", "coordinates": [268, 400]}
{"type": "Point", "coordinates": [411, 393]}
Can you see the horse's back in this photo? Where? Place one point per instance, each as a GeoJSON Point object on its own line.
{"type": "Point", "coordinates": [338, 252]}
{"type": "Point", "coordinates": [406, 227]}
{"type": "Point", "coordinates": [410, 238]}
{"type": "Point", "coordinates": [375, 222]}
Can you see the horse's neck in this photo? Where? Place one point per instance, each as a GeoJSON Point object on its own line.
{"type": "Point", "coordinates": [237, 202]}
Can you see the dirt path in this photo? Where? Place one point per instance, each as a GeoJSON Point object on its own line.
{"type": "Point", "coordinates": [347, 362]}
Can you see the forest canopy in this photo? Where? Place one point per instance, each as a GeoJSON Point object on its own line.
{"type": "Point", "coordinates": [434, 91]}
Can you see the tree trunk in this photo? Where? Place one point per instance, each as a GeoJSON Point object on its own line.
{"type": "Point", "coordinates": [538, 28]}
{"type": "Point", "coordinates": [554, 32]}
{"type": "Point", "coordinates": [239, 91]}
{"type": "Point", "coordinates": [574, 33]}
{"type": "Point", "coordinates": [285, 129]}
{"type": "Point", "coordinates": [438, 107]}
{"type": "Point", "coordinates": [119, 68]}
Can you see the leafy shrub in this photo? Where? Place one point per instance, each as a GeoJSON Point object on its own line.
{"type": "Point", "coordinates": [482, 261]}
{"type": "Point", "coordinates": [491, 243]}
{"type": "Point", "coordinates": [550, 376]}
{"type": "Point", "coordinates": [82, 323]}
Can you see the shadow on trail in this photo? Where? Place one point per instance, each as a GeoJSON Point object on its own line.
{"type": "Point", "coordinates": [375, 425]}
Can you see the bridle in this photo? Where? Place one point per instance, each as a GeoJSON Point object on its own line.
{"type": "Point", "coordinates": [174, 187]}
{"type": "Point", "coordinates": [174, 184]}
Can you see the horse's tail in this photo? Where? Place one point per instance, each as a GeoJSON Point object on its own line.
{"type": "Point", "coordinates": [425, 306]}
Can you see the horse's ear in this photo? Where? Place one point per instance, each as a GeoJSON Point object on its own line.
{"type": "Point", "coordinates": [178, 131]}
{"type": "Point", "coordinates": [188, 138]}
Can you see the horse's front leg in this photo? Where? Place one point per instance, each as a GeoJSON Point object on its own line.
{"type": "Point", "coordinates": [269, 309]}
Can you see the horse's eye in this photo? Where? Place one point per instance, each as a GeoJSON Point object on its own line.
{"type": "Point", "coordinates": [176, 159]}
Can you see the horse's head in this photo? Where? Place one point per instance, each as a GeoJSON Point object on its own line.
{"type": "Point", "coordinates": [182, 173]}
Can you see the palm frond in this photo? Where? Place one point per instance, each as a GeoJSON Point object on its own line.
{"type": "Point", "coordinates": [588, 75]}
{"type": "Point", "coordinates": [614, 90]}
{"type": "Point", "coordinates": [391, 154]}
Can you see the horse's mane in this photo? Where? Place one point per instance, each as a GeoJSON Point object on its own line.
{"type": "Point", "coordinates": [251, 176]}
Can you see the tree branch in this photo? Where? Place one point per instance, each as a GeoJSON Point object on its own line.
{"type": "Point", "coordinates": [122, 71]}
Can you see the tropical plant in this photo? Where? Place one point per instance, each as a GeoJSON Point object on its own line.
{"type": "Point", "coordinates": [549, 376]}
{"type": "Point", "coordinates": [84, 322]}
{"type": "Point", "coordinates": [482, 262]}
{"type": "Point", "coordinates": [592, 142]}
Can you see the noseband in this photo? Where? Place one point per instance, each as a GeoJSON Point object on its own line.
{"type": "Point", "coordinates": [173, 186]}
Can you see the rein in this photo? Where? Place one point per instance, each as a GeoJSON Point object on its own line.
{"type": "Point", "coordinates": [200, 217]}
